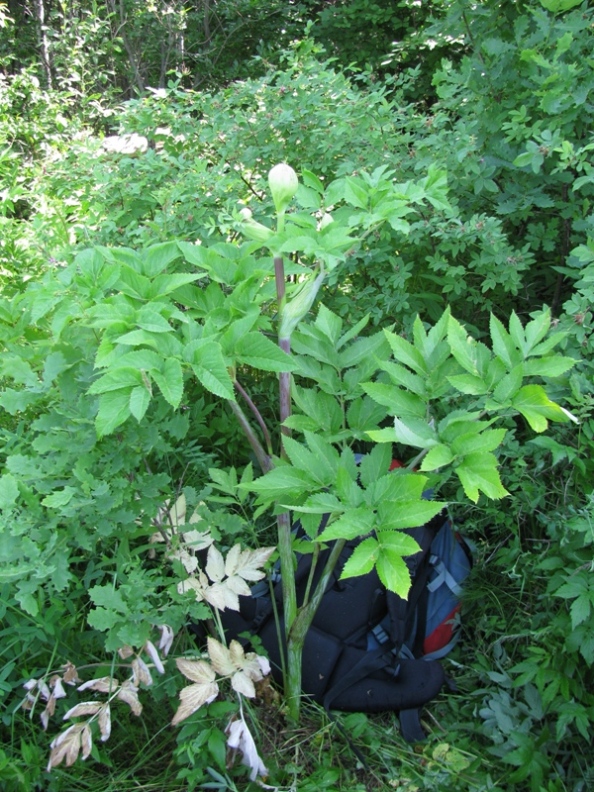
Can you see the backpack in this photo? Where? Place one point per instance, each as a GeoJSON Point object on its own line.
{"type": "Point", "coordinates": [369, 650]}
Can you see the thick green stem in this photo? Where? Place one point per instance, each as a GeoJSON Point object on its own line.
{"type": "Point", "coordinates": [298, 631]}
{"type": "Point", "coordinates": [292, 678]}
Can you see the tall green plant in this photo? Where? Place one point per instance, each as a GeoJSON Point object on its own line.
{"type": "Point", "coordinates": [153, 328]}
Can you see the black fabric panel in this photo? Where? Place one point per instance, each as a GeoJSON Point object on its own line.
{"type": "Point", "coordinates": [417, 683]}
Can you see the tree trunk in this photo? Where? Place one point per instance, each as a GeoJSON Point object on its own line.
{"type": "Point", "coordinates": [43, 43]}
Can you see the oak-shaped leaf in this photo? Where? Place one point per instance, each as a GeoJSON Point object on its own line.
{"type": "Point", "coordinates": [203, 691]}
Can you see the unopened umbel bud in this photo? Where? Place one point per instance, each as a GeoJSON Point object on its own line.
{"type": "Point", "coordinates": [283, 183]}
{"type": "Point", "coordinates": [252, 229]}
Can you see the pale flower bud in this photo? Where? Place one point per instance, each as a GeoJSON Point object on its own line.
{"type": "Point", "coordinates": [251, 229]}
{"type": "Point", "coordinates": [283, 183]}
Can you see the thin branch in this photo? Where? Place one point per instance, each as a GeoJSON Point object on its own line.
{"type": "Point", "coordinates": [257, 415]}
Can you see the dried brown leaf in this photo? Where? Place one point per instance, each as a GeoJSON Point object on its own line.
{"type": "Point", "coordinates": [125, 652]}
{"type": "Point", "coordinates": [240, 738]}
{"type": "Point", "coordinates": [220, 657]}
{"type": "Point", "coordinates": [232, 560]}
{"type": "Point", "coordinates": [70, 675]}
{"type": "Point", "coordinates": [241, 683]}
{"type": "Point", "coordinates": [129, 694]}
{"type": "Point", "coordinates": [66, 746]}
{"type": "Point", "coordinates": [84, 708]}
{"type": "Point", "coordinates": [104, 721]}
{"type": "Point", "coordinates": [250, 562]}
{"type": "Point", "coordinates": [215, 565]}
{"type": "Point", "coordinates": [166, 640]}
{"type": "Point", "coordinates": [151, 650]}
{"type": "Point", "coordinates": [105, 684]}
{"type": "Point", "coordinates": [195, 670]}
{"type": "Point", "coordinates": [140, 673]}
{"type": "Point", "coordinates": [238, 586]}
{"type": "Point", "coordinates": [221, 597]}
{"type": "Point", "coordinates": [192, 698]}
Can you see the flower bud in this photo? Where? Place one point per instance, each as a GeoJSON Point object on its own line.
{"type": "Point", "coordinates": [252, 229]}
{"type": "Point", "coordinates": [283, 183]}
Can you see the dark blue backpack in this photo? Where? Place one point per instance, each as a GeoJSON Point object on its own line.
{"type": "Point", "coordinates": [369, 650]}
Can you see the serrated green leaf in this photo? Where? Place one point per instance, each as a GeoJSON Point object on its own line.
{"type": "Point", "coordinates": [503, 346]}
{"type": "Point", "coordinates": [554, 366]}
{"type": "Point", "coordinates": [153, 322]}
{"type": "Point", "coordinates": [438, 456]}
{"type": "Point", "coordinates": [510, 384]}
{"type": "Point", "coordinates": [329, 324]}
{"type": "Point", "coordinates": [255, 350]}
{"type": "Point", "coordinates": [362, 559]}
{"type": "Point", "coordinates": [140, 399]}
{"type": "Point", "coordinates": [114, 410]}
{"type": "Point", "coordinates": [536, 407]}
{"type": "Point", "coordinates": [320, 503]}
{"type": "Point", "coordinates": [407, 514]}
{"type": "Point", "coordinates": [9, 491]}
{"type": "Point", "coordinates": [350, 525]}
{"type": "Point", "coordinates": [415, 432]}
{"type": "Point", "coordinates": [208, 364]}
{"type": "Point", "coordinates": [393, 572]}
{"type": "Point", "coordinates": [398, 542]}
{"type": "Point", "coordinates": [282, 484]}
{"type": "Point", "coordinates": [406, 353]}
{"type": "Point", "coordinates": [170, 381]}
{"type": "Point", "coordinates": [581, 608]}
{"type": "Point", "coordinates": [472, 355]}
{"type": "Point", "coordinates": [400, 375]}
{"type": "Point", "coordinates": [355, 192]}
{"type": "Point", "coordinates": [59, 498]}
{"type": "Point", "coordinates": [375, 464]}
{"type": "Point", "coordinates": [303, 459]}
{"type": "Point", "coordinates": [473, 443]}
{"type": "Point", "coordinates": [156, 257]}
{"type": "Point", "coordinates": [396, 399]}
{"type": "Point", "coordinates": [395, 487]}
{"type": "Point", "coordinates": [116, 378]}
{"type": "Point", "coordinates": [516, 332]}
{"type": "Point", "coordinates": [479, 473]}
{"type": "Point", "coordinates": [468, 383]}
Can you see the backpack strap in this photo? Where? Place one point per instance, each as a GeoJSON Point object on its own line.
{"type": "Point", "coordinates": [410, 725]}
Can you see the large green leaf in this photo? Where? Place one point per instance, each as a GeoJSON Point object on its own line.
{"type": "Point", "coordinates": [254, 349]}
{"type": "Point", "coordinates": [362, 560]}
{"type": "Point", "coordinates": [114, 409]}
{"type": "Point", "coordinates": [170, 381]}
{"type": "Point", "coordinates": [407, 514]}
{"type": "Point", "coordinates": [536, 407]}
{"type": "Point", "coordinates": [479, 473]}
{"type": "Point", "coordinates": [350, 525]}
{"type": "Point", "coordinates": [208, 364]}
